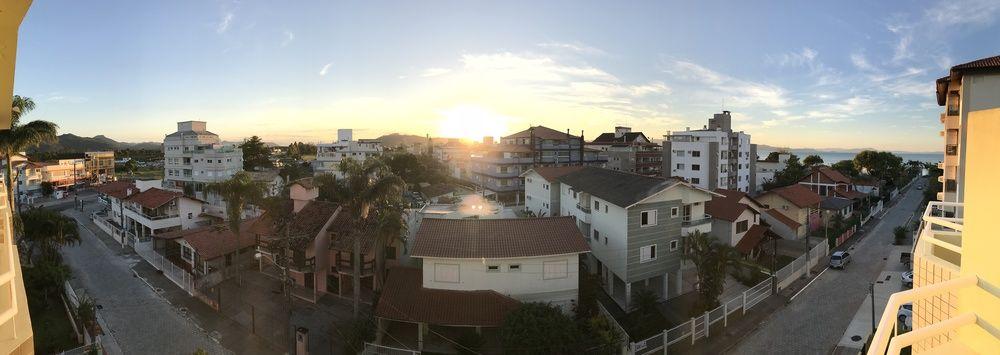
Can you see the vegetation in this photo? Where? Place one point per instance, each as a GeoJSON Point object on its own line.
{"type": "Point", "coordinates": [86, 313]}
{"type": "Point", "coordinates": [47, 188]}
{"type": "Point", "coordinates": [469, 342]}
{"type": "Point", "coordinates": [933, 185]}
{"type": "Point", "coordinates": [899, 235]}
{"type": "Point", "coordinates": [45, 231]}
{"type": "Point", "coordinates": [416, 168]}
{"type": "Point", "coordinates": [256, 154]}
{"type": "Point", "coordinates": [846, 167]}
{"type": "Point", "coordinates": [712, 260]}
{"type": "Point", "coordinates": [20, 137]}
{"type": "Point", "coordinates": [239, 191]}
{"type": "Point", "coordinates": [539, 328]}
{"type": "Point", "coordinates": [885, 166]}
{"type": "Point", "coordinates": [812, 160]}
{"type": "Point", "coordinates": [354, 336]}
{"type": "Point", "coordinates": [793, 172]}
{"type": "Point", "coordinates": [298, 149]}
{"type": "Point", "coordinates": [45, 275]}
{"type": "Point", "coordinates": [293, 170]}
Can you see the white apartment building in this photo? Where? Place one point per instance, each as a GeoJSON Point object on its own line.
{"type": "Point", "coordinates": [766, 168]}
{"type": "Point", "coordinates": [328, 156]}
{"type": "Point", "coordinates": [712, 158]}
{"type": "Point", "coordinates": [195, 157]}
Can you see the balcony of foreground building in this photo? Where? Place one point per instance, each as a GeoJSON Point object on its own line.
{"type": "Point", "coordinates": [692, 223]}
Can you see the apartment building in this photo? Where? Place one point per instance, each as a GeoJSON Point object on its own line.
{"type": "Point", "coordinates": [714, 157]}
{"type": "Point", "coordinates": [541, 189]}
{"type": "Point", "coordinates": [100, 165]}
{"type": "Point", "coordinates": [194, 157]}
{"type": "Point", "coordinates": [766, 169]}
{"type": "Point", "coordinates": [497, 168]}
{"type": "Point", "coordinates": [629, 151]}
{"type": "Point", "coordinates": [955, 301]}
{"type": "Point", "coordinates": [329, 156]}
{"type": "Point", "coordinates": [635, 225]}
{"type": "Point", "coordinates": [16, 335]}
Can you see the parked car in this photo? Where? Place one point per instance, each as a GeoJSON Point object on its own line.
{"type": "Point", "coordinates": [904, 318]}
{"type": "Point", "coordinates": [908, 278]}
{"type": "Point", "coordinates": [840, 259]}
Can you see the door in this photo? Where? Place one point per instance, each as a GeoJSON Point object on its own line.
{"type": "Point", "coordinates": [310, 279]}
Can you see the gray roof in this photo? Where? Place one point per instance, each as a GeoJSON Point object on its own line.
{"type": "Point", "coordinates": [834, 203]}
{"type": "Point", "coordinates": [188, 133]}
{"type": "Point", "coordinates": [620, 188]}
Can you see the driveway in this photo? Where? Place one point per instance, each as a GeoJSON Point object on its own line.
{"type": "Point", "coordinates": [814, 321]}
{"type": "Point", "coordinates": [138, 319]}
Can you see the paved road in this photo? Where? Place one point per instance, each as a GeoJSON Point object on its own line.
{"type": "Point", "coordinates": [815, 320]}
{"type": "Point", "coordinates": [140, 320]}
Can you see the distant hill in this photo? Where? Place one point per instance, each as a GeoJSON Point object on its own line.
{"type": "Point", "coordinates": [396, 139]}
{"type": "Point", "coordinates": [71, 143]}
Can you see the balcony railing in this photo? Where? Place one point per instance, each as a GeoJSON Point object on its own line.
{"type": "Point", "coordinates": [696, 220]}
{"type": "Point", "coordinates": [940, 235]}
{"type": "Point", "coordinates": [345, 266]}
{"type": "Point", "coordinates": [585, 209]}
{"type": "Point", "coordinates": [951, 149]}
{"type": "Point", "coordinates": [152, 217]}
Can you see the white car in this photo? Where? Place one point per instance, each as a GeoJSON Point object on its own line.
{"type": "Point", "coordinates": [907, 278]}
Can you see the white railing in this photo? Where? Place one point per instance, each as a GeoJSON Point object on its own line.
{"type": "Point", "coordinates": [881, 343]}
{"type": "Point", "coordinates": [375, 349]}
{"type": "Point", "coordinates": [618, 327]}
{"type": "Point", "coordinates": [173, 272]}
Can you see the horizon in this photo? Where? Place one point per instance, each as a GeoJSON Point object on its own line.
{"type": "Point", "coordinates": [299, 73]}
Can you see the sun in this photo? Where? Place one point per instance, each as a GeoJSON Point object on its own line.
{"type": "Point", "coordinates": [471, 122]}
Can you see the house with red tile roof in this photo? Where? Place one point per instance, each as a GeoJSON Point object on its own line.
{"type": "Point", "coordinates": [136, 211]}
{"type": "Point", "coordinates": [734, 215]}
{"type": "Point", "coordinates": [795, 202]}
{"type": "Point", "coordinates": [475, 271]}
{"type": "Point", "coordinates": [825, 181]}
{"type": "Point", "coordinates": [208, 253]}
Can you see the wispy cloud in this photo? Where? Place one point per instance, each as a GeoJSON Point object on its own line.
{"type": "Point", "coordinates": [227, 20]}
{"type": "Point", "coordinates": [289, 37]}
{"type": "Point", "coordinates": [735, 92]}
{"type": "Point", "coordinates": [325, 69]}
{"type": "Point", "coordinates": [573, 47]}
{"type": "Point", "coordinates": [804, 57]}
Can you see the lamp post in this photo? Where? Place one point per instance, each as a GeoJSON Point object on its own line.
{"type": "Point", "coordinates": [871, 288]}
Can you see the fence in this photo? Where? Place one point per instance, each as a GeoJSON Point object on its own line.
{"type": "Point", "coordinates": [173, 272]}
{"type": "Point", "coordinates": [845, 236]}
{"type": "Point", "coordinates": [614, 322]}
{"type": "Point", "coordinates": [700, 327]}
{"type": "Point", "coordinates": [375, 349]}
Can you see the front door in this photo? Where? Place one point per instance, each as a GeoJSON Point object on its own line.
{"type": "Point", "coordinates": [309, 280]}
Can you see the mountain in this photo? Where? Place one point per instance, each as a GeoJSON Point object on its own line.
{"type": "Point", "coordinates": [396, 139]}
{"type": "Point", "coordinates": [71, 143]}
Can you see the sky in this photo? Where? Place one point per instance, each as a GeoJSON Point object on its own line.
{"type": "Point", "coordinates": [803, 74]}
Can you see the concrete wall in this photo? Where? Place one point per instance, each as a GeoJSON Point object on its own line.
{"type": "Point", "coordinates": [529, 284]}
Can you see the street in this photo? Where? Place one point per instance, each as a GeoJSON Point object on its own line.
{"type": "Point", "coordinates": [139, 319]}
{"type": "Point", "coordinates": [815, 320]}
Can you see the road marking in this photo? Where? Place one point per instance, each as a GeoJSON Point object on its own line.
{"type": "Point", "coordinates": [810, 283]}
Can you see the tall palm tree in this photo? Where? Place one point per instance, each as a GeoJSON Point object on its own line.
{"type": "Point", "coordinates": [712, 260]}
{"type": "Point", "coordinates": [21, 137]}
{"type": "Point", "coordinates": [390, 227]}
{"type": "Point", "coordinates": [46, 231]}
{"type": "Point", "coordinates": [370, 183]}
{"type": "Point", "coordinates": [238, 192]}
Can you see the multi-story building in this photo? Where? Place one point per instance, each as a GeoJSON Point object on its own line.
{"type": "Point", "coordinates": [194, 157]}
{"type": "Point", "coordinates": [767, 167]}
{"type": "Point", "coordinates": [712, 158]}
{"type": "Point", "coordinates": [635, 225]}
{"type": "Point", "coordinates": [497, 168]}
{"type": "Point", "coordinates": [137, 211]}
{"type": "Point", "coordinates": [629, 151]}
{"type": "Point", "coordinates": [100, 165]}
{"type": "Point", "coordinates": [541, 189]}
{"type": "Point", "coordinates": [795, 203]}
{"type": "Point", "coordinates": [329, 156]}
{"type": "Point", "coordinates": [955, 301]}
{"type": "Point", "coordinates": [16, 336]}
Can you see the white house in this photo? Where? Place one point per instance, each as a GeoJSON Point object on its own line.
{"type": "Point", "coordinates": [137, 211]}
{"type": "Point", "coordinates": [541, 189]}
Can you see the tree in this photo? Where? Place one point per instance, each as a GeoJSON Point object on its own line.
{"type": "Point", "coordinates": [390, 227]}
{"type": "Point", "coordinates": [293, 170]}
{"type": "Point", "coordinates": [791, 174]}
{"type": "Point", "coordinates": [899, 235]}
{"type": "Point", "coordinates": [256, 154]}
{"type": "Point", "coordinates": [539, 328]}
{"type": "Point", "coordinates": [45, 231]}
{"type": "Point", "coordinates": [846, 167]}
{"type": "Point", "coordinates": [297, 149]}
{"type": "Point", "coordinates": [47, 278]}
{"type": "Point", "coordinates": [21, 137]}
{"type": "Point", "coordinates": [238, 192]}
{"type": "Point", "coordinates": [331, 189]}
{"type": "Point", "coordinates": [47, 188]}
{"type": "Point", "coordinates": [711, 260]}
{"type": "Point", "coordinates": [644, 312]}
{"type": "Point", "coordinates": [883, 165]}
{"type": "Point", "coordinates": [812, 160]}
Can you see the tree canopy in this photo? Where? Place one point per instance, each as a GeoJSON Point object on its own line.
{"type": "Point", "coordinates": [793, 172]}
{"type": "Point", "coordinates": [812, 159]}
{"type": "Point", "coordinates": [711, 260]}
{"type": "Point", "coordinates": [846, 167]}
{"type": "Point", "coordinates": [884, 165]}
{"type": "Point", "coordinates": [256, 154]}
{"type": "Point", "coordinates": [539, 328]}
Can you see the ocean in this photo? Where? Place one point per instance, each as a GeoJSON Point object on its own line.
{"type": "Point", "coordinates": [833, 157]}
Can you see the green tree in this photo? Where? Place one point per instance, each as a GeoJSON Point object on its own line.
{"type": "Point", "coordinates": [846, 167]}
{"type": "Point", "coordinates": [791, 174]}
{"type": "Point", "coordinates": [644, 315]}
{"type": "Point", "coordinates": [45, 279]}
{"type": "Point", "coordinates": [293, 170]}
{"type": "Point", "coordinates": [883, 165]}
{"type": "Point", "coordinates": [298, 149]}
{"type": "Point", "coordinates": [712, 261]}
{"type": "Point", "coordinates": [256, 154]}
{"type": "Point", "coordinates": [539, 328]}
{"type": "Point", "coordinates": [899, 235]}
{"type": "Point", "coordinates": [20, 137]}
{"type": "Point", "coordinates": [331, 189]}
{"type": "Point", "coordinates": [45, 231]}
{"type": "Point", "coordinates": [812, 160]}
{"type": "Point", "coordinates": [237, 192]}
{"type": "Point", "coordinates": [47, 188]}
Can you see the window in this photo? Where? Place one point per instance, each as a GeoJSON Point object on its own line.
{"type": "Point", "coordinates": [679, 153]}
{"type": "Point", "coordinates": [493, 268]}
{"type": "Point", "coordinates": [680, 166]}
{"type": "Point", "coordinates": [647, 253]}
{"type": "Point", "coordinates": [647, 218]}
{"type": "Point", "coordinates": [597, 205]}
{"type": "Point", "coordinates": [190, 215]}
{"type": "Point", "coordinates": [742, 226]}
{"type": "Point", "coordinates": [597, 235]}
{"type": "Point", "coordinates": [555, 269]}
{"type": "Point", "coordinates": [514, 267]}
{"type": "Point", "coordinates": [674, 211]}
{"type": "Point", "coordinates": [674, 245]}
{"type": "Point", "coordinates": [696, 153]}
{"type": "Point", "coordinates": [695, 167]}
{"type": "Point", "coordinates": [695, 180]}
{"type": "Point", "coordinates": [446, 273]}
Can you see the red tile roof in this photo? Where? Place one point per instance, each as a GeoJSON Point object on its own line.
{"type": "Point", "coordinates": [791, 223]}
{"type": "Point", "coordinates": [829, 173]}
{"type": "Point", "coordinates": [405, 299]}
{"type": "Point", "coordinates": [304, 182]}
{"type": "Point", "coordinates": [797, 194]}
{"type": "Point", "coordinates": [727, 207]}
{"type": "Point", "coordinates": [551, 173]}
{"type": "Point", "coordinates": [852, 194]}
{"type": "Point", "coordinates": [214, 241]}
{"type": "Point", "coordinates": [343, 232]}
{"type": "Point", "coordinates": [154, 197]}
{"type": "Point", "coordinates": [498, 238]}
{"type": "Point", "coordinates": [116, 189]}
{"type": "Point", "coordinates": [984, 63]}
{"type": "Point", "coordinates": [752, 238]}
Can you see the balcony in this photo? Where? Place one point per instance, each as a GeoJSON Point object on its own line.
{"type": "Point", "coordinates": [345, 266]}
{"type": "Point", "coordinates": [951, 149]}
{"type": "Point", "coordinates": [702, 223]}
{"type": "Point", "coordinates": [940, 238]}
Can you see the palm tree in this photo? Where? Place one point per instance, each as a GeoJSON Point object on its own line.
{"type": "Point", "coordinates": [712, 260]}
{"type": "Point", "coordinates": [370, 183]}
{"type": "Point", "coordinates": [390, 227]}
{"type": "Point", "coordinates": [239, 191]}
{"type": "Point", "coordinates": [21, 137]}
{"type": "Point", "coordinates": [46, 231]}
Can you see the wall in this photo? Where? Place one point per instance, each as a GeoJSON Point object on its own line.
{"type": "Point", "coordinates": [528, 284]}
{"type": "Point", "coordinates": [190, 213]}
{"type": "Point", "coordinates": [538, 199]}
{"type": "Point", "coordinates": [667, 229]}
{"type": "Point", "coordinates": [787, 209]}
{"type": "Point", "coordinates": [611, 222]}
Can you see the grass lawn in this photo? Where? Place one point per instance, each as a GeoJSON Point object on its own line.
{"type": "Point", "coordinates": [51, 327]}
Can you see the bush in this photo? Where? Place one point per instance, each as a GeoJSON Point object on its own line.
{"type": "Point", "coordinates": [355, 335]}
{"type": "Point", "coordinates": [469, 342]}
{"type": "Point", "coordinates": [539, 328]}
{"type": "Point", "coordinates": [899, 235]}
{"type": "Point", "coordinates": [599, 331]}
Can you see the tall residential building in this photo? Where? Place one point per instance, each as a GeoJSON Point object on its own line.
{"type": "Point", "coordinates": [195, 157]}
{"type": "Point", "coordinates": [497, 168]}
{"type": "Point", "coordinates": [16, 336]}
{"type": "Point", "coordinates": [328, 156]}
{"type": "Point", "coordinates": [100, 165]}
{"type": "Point", "coordinates": [629, 151]}
{"type": "Point", "coordinates": [955, 300]}
{"type": "Point", "coordinates": [712, 158]}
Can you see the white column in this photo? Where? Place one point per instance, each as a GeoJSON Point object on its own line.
{"type": "Point", "coordinates": [680, 281]}
{"type": "Point", "coordinates": [666, 286]}
{"type": "Point", "coordinates": [628, 295]}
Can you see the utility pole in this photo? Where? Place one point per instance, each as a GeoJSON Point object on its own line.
{"type": "Point", "coordinates": [808, 269]}
{"type": "Point", "coordinates": [871, 288]}
{"type": "Point", "coordinates": [357, 273]}
{"type": "Point", "coordinates": [774, 265]}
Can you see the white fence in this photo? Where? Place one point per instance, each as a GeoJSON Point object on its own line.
{"type": "Point", "coordinates": [618, 327]}
{"type": "Point", "coordinates": [375, 349]}
{"type": "Point", "coordinates": [173, 272]}
{"type": "Point", "coordinates": [700, 327]}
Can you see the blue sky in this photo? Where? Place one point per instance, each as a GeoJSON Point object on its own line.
{"type": "Point", "coordinates": [802, 74]}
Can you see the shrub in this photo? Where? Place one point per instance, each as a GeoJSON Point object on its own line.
{"type": "Point", "coordinates": [539, 328]}
{"type": "Point", "coordinates": [899, 235]}
{"type": "Point", "coordinates": [469, 342]}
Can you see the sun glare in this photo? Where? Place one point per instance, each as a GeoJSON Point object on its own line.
{"type": "Point", "coordinates": [472, 123]}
